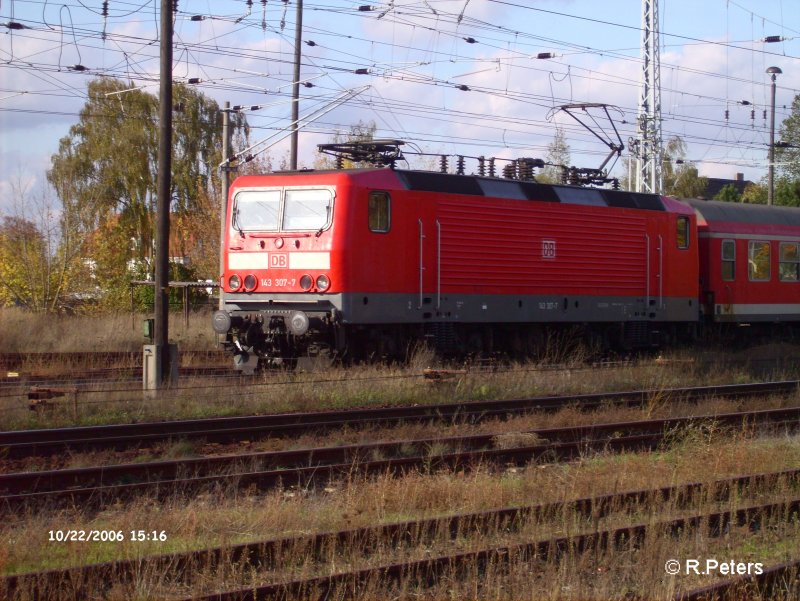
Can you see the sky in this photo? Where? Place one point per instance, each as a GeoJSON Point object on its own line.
{"type": "Point", "coordinates": [469, 77]}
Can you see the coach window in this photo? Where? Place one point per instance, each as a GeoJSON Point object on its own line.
{"type": "Point", "coordinates": [380, 212]}
{"type": "Point", "coordinates": [728, 260]}
{"type": "Point", "coordinates": [683, 232]}
{"type": "Point", "coordinates": [758, 260]}
{"type": "Point", "coordinates": [789, 262]}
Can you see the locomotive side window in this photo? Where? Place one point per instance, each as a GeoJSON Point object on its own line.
{"type": "Point", "coordinates": [380, 211]}
{"type": "Point", "coordinates": [683, 232]}
{"type": "Point", "coordinates": [758, 261]}
{"type": "Point", "coordinates": [789, 262]}
{"type": "Point", "coordinates": [257, 210]}
{"type": "Point", "coordinates": [728, 260]}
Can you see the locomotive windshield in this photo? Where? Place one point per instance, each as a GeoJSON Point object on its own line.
{"type": "Point", "coordinates": [282, 210]}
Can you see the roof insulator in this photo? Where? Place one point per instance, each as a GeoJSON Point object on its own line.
{"type": "Point", "coordinates": [544, 55]}
{"type": "Point", "coordinates": [198, 18]}
{"type": "Point", "coordinates": [362, 71]}
{"type": "Point", "coordinates": [771, 39]}
{"type": "Point", "coordinates": [193, 80]}
{"type": "Point", "coordinates": [470, 40]}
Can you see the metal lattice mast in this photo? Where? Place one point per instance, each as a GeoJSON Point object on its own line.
{"type": "Point", "coordinates": [649, 155]}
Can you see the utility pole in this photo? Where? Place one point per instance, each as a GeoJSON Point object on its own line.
{"type": "Point", "coordinates": [298, 34]}
{"type": "Point", "coordinates": [226, 184]}
{"type": "Point", "coordinates": [774, 71]}
{"type": "Point", "coordinates": [648, 176]}
{"type": "Point", "coordinates": [164, 186]}
{"type": "Point", "coordinates": [160, 367]}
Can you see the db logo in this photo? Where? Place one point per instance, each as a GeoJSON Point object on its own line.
{"type": "Point", "coordinates": [279, 260]}
{"type": "Point", "coordinates": [548, 249]}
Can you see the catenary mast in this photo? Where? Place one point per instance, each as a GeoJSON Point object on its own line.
{"type": "Point", "coordinates": [648, 148]}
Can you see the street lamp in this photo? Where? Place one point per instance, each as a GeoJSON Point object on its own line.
{"type": "Point", "coordinates": [774, 71]}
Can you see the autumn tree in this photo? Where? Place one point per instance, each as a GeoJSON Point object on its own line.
{"type": "Point", "coordinates": [39, 254]}
{"type": "Point", "coordinates": [105, 173]}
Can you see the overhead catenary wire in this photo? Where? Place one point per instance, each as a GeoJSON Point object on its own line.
{"type": "Point", "coordinates": [201, 54]}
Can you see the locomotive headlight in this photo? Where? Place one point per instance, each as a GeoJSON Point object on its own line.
{"type": "Point", "coordinates": [234, 282]}
{"type": "Point", "coordinates": [250, 282]}
{"type": "Point", "coordinates": [306, 282]}
{"type": "Point", "coordinates": [323, 283]}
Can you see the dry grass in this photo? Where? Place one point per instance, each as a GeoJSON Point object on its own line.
{"type": "Point", "coordinates": [25, 332]}
{"type": "Point", "coordinates": [225, 517]}
{"type": "Point", "coordinates": [370, 386]}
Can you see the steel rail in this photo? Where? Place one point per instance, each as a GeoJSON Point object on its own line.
{"type": "Point", "coordinates": [301, 467]}
{"type": "Point", "coordinates": [264, 553]}
{"type": "Point", "coordinates": [347, 454]}
{"type": "Point", "coordinates": [25, 443]}
{"type": "Point", "coordinates": [100, 496]}
{"type": "Point", "coordinates": [427, 571]}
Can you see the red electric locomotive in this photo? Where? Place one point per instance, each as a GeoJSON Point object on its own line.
{"type": "Point", "coordinates": [364, 262]}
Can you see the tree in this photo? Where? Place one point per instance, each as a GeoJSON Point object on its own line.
{"type": "Point", "coordinates": [788, 157]}
{"type": "Point", "coordinates": [755, 194]}
{"type": "Point", "coordinates": [557, 157]}
{"type": "Point", "coordinates": [39, 254]}
{"type": "Point", "coordinates": [680, 176]}
{"type": "Point", "coordinates": [787, 192]}
{"type": "Point", "coordinates": [360, 132]}
{"type": "Point", "coordinates": [105, 172]}
{"type": "Point", "coordinates": [728, 193]}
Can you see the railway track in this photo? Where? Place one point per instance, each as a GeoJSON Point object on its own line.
{"type": "Point", "coordinates": [98, 486]}
{"type": "Point", "coordinates": [28, 443]}
{"type": "Point", "coordinates": [264, 554]}
{"type": "Point", "coordinates": [13, 361]}
{"type": "Point", "coordinates": [427, 572]}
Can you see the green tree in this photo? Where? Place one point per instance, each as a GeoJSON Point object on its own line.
{"type": "Point", "coordinates": [728, 193]}
{"type": "Point", "coordinates": [681, 177]}
{"type": "Point", "coordinates": [755, 194]}
{"type": "Point", "coordinates": [787, 192]}
{"type": "Point", "coordinates": [788, 157]}
{"type": "Point", "coordinates": [105, 173]}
